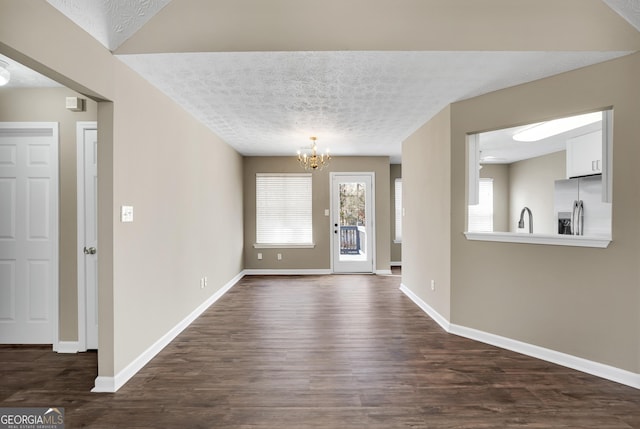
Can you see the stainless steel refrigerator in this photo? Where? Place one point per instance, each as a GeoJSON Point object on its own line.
{"type": "Point", "coordinates": [579, 208]}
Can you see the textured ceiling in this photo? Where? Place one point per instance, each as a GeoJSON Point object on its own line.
{"type": "Point", "coordinates": [24, 77]}
{"type": "Point", "coordinates": [269, 103]}
{"type": "Point", "coordinates": [628, 9]}
{"type": "Point", "coordinates": [110, 22]}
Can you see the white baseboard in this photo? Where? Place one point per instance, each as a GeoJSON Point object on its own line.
{"type": "Point", "coordinates": [112, 384]}
{"type": "Point", "coordinates": [590, 367]}
{"type": "Point", "coordinates": [396, 264]}
{"type": "Point", "coordinates": [104, 385]}
{"type": "Point", "coordinates": [299, 272]}
{"type": "Point", "coordinates": [437, 317]}
{"type": "Point", "coordinates": [67, 347]}
{"type": "Point", "coordinates": [278, 272]}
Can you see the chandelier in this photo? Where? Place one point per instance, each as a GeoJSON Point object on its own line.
{"type": "Point", "coordinates": [310, 160]}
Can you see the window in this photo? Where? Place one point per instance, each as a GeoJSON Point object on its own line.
{"type": "Point", "coordinates": [481, 214]}
{"type": "Point", "coordinates": [283, 209]}
{"type": "Point", "coordinates": [398, 206]}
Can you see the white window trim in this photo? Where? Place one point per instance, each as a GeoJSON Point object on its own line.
{"type": "Point", "coordinates": [398, 219]}
{"type": "Point", "coordinates": [284, 246]}
{"type": "Point", "coordinates": [555, 240]}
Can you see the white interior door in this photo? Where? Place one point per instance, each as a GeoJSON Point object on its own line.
{"type": "Point", "coordinates": [28, 233]}
{"type": "Point", "coordinates": [352, 222]}
{"type": "Point", "coordinates": [87, 235]}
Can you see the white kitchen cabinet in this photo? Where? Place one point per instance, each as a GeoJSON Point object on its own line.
{"type": "Point", "coordinates": [584, 155]}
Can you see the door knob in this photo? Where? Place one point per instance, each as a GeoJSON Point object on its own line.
{"type": "Point", "coordinates": [90, 250]}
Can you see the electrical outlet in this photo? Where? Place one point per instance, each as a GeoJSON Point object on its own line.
{"type": "Point", "coordinates": [279, 256]}
{"type": "Point", "coordinates": [433, 285]}
{"type": "Point", "coordinates": [259, 256]}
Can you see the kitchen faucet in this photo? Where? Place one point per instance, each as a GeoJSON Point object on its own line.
{"type": "Point", "coordinates": [521, 221]}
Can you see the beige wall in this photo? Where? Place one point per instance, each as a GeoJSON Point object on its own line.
{"type": "Point", "coordinates": [106, 216]}
{"type": "Point", "coordinates": [48, 105]}
{"type": "Point", "coordinates": [500, 175]}
{"type": "Point", "coordinates": [372, 25]}
{"type": "Point", "coordinates": [185, 185]}
{"type": "Point", "coordinates": [186, 188]}
{"type": "Point", "coordinates": [580, 301]}
{"type": "Point", "coordinates": [426, 181]}
{"type": "Point", "coordinates": [532, 185]}
{"type": "Point", "coordinates": [320, 256]}
{"type": "Point", "coordinates": [395, 172]}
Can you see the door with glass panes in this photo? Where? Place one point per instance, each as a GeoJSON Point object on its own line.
{"type": "Point", "coordinates": [352, 223]}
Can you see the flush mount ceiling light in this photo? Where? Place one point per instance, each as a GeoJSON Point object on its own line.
{"type": "Point", "coordinates": [4, 73]}
{"type": "Point", "coordinates": [310, 160]}
{"type": "Point", "coordinates": [555, 127]}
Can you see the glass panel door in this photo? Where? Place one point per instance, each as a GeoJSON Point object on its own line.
{"type": "Point", "coordinates": [352, 223]}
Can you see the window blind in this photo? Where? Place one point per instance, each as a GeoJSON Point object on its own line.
{"type": "Point", "coordinates": [398, 207]}
{"type": "Point", "coordinates": [283, 209]}
{"type": "Point", "coordinates": [481, 214]}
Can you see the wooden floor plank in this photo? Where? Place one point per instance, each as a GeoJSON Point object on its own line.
{"type": "Point", "coordinates": [316, 352]}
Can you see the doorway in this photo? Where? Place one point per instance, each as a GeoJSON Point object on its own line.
{"type": "Point", "coordinates": [87, 155]}
{"type": "Point", "coordinates": [29, 233]}
{"type": "Point", "coordinates": [352, 221]}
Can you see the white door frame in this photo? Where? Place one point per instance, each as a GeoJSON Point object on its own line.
{"type": "Point", "coordinates": [55, 221]}
{"type": "Point", "coordinates": [372, 175]}
{"type": "Point", "coordinates": [81, 127]}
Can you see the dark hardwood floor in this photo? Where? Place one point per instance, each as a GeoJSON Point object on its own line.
{"type": "Point", "coordinates": [320, 352]}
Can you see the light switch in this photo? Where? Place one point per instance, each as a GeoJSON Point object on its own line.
{"type": "Point", "coordinates": [126, 214]}
{"type": "Point", "coordinates": [326, 212]}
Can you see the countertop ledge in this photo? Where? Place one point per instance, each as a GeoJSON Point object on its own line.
{"type": "Point", "coordinates": [552, 240]}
